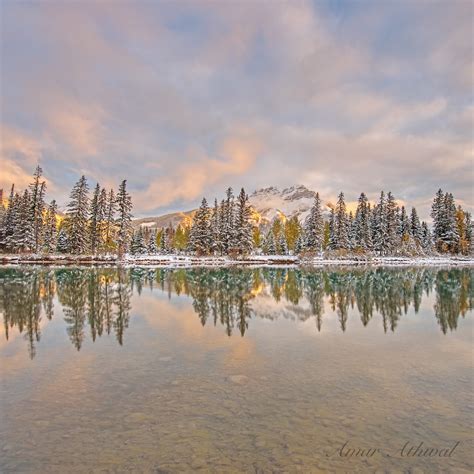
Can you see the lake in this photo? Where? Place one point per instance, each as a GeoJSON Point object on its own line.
{"type": "Point", "coordinates": [236, 370]}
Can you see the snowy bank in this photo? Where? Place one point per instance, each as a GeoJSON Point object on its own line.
{"type": "Point", "coordinates": [252, 260]}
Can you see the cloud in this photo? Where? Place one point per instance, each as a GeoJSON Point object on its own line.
{"type": "Point", "coordinates": [189, 181]}
{"type": "Point", "coordinates": [373, 96]}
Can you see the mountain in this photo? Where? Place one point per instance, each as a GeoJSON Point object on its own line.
{"type": "Point", "coordinates": [267, 203]}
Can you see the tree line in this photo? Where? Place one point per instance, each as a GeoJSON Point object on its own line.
{"type": "Point", "coordinates": [98, 224]}
{"type": "Point", "coordinates": [102, 224]}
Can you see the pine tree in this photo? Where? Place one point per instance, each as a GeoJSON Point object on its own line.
{"type": "Point", "coordinates": [299, 244]}
{"type": "Point", "coordinates": [314, 227]}
{"type": "Point", "coordinates": [62, 245]}
{"type": "Point", "coordinates": [95, 220]}
{"type": "Point", "coordinates": [111, 208]}
{"type": "Point", "coordinates": [228, 228]}
{"type": "Point", "coordinates": [137, 245]}
{"type": "Point", "coordinates": [76, 217]}
{"type": "Point", "coordinates": [380, 227]}
{"type": "Point", "coordinates": [341, 225]}
{"type": "Point", "coordinates": [199, 238]}
{"type": "Point", "coordinates": [23, 238]}
{"type": "Point", "coordinates": [392, 222]}
{"type": "Point", "coordinates": [332, 241]}
{"type": "Point", "coordinates": [152, 247]}
{"type": "Point", "coordinates": [8, 222]}
{"type": "Point", "coordinates": [404, 227]}
{"type": "Point", "coordinates": [427, 240]}
{"type": "Point", "coordinates": [282, 244]}
{"type": "Point", "coordinates": [50, 228]}
{"type": "Point", "coordinates": [438, 215]}
{"type": "Point", "coordinates": [363, 231]}
{"type": "Point", "coordinates": [450, 234]}
{"type": "Point", "coordinates": [215, 230]}
{"type": "Point", "coordinates": [415, 227]}
{"type": "Point", "coordinates": [269, 246]}
{"type": "Point", "coordinates": [37, 192]}
{"type": "Point", "coordinates": [469, 233]}
{"type": "Point", "coordinates": [243, 226]}
{"type": "Point", "coordinates": [124, 218]}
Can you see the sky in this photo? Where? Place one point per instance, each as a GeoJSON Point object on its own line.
{"type": "Point", "coordinates": [186, 98]}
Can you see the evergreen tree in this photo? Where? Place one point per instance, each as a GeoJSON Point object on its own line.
{"type": "Point", "coordinates": [269, 246]}
{"type": "Point", "coordinates": [96, 217]}
{"type": "Point", "coordinates": [23, 239]}
{"type": "Point", "coordinates": [299, 244]}
{"type": "Point", "coordinates": [199, 237]}
{"type": "Point", "coordinates": [137, 245]}
{"type": "Point", "coordinates": [404, 227]}
{"type": "Point", "coordinates": [426, 241]}
{"type": "Point", "coordinates": [216, 230]}
{"type": "Point", "coordinates": [228, 228]}
{"type": "Point", "coordinates": [37, 192]}
{"type": "Point", "coordinates": [50, 228]}
{"type": "Point", "coordinates": [8, 222]}
{"type": "Point", "coordinates": [152, 246]}
{"type": "Point", "coordinates": [341, 225]}
{"type": "Point", "coordinates": [392, 222]}
{"type": "Point", "coordinates": [282, 244]}
{"type": "Point", "coordinates": [111, 208]}
{"type": "Point", "coordinates": [438, 215]}
{"type": "Point", "coordinates": [243, 226]}
{"type": "Point", "coordinates": [363, 231]}
{"type": "Point", "coordinates": [415, 227]}
{"type": "Point", "coordinates": [76, 217]}
{"type": "Point", "coordinates": [450, 233]}
{"type": "Point", "coordinates": [62, 245]}
{"type": "Point", "coordinates": [124, 218]}
{"type": "Point", "coordinates": [332, 242]}
{"type": "Point", "coordinates": [380, 227]}
{"type": "Point", "coordinates": [314, 227]}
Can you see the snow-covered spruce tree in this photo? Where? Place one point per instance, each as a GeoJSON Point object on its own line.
{"type": "Point", "coordinates": [109, 224]}
{"type": "Point", "coordinates": [332, 241]}
{"type": "Point", "coordinates": [77, 214]}
{"type": "Point", "coordinates": [341, 224]}
{"type": "Point", "coordinates": [216, 245]}
{"type": "Point", "coordinates": [450, 234]}
{"type": "Point", "coordinates": [415, 227]}
{"type": "Point", "coordinates": [392, 222]}
{"type": "Point", "coordinates": [137, 245]}
{"type": "Point", "coordinates": [300, 244]}
{"type": "Point", "coordinates": [23, 238]}
{"type": "Point", "coordinates": [426, 240]}
{"type": "Point", "coordinates": [200, 236]}
{"type": "Point", "coordinates": [314, 227]}
{"type": "Point", "coordinates": [352, 231]}
{"type": "Point", "coordinates": [362, 224]}
{"type": "Point", "coordinates": [380, 228]}
{"type": "Point", "coordinates": [243, 226]}
{"type": "Point", "coordinates": [222, 227]}
{"type": "Point", "coordinates": [62, 245]}
{"type": "Point", "coordinates": [469, 234]}
{"type": "Point", "coordinates": [8, 222]}
{"type": "Point", "coordinates": [439, 220]}
{"type": "Point", "coordinates": [229, 230]}
{"type": "Point", "coordinates": [404, 227]}
{"type": "Point", "coordinates": [102, 220]}
{"type": "Point", "coordinates": [14, 221]}
{"type": "Point", "coordinates": [96, 217]}
{"type": "Point", "coordinates": [37, 205]}
{"type": "Point", "coordinates": [269, 245]}
{"type": "Point", "coordinates": [124, 218]}
{"type": "Point", "coordinates": [50, 228]}
{"type": "Point", "coordinates": [152, 246]}
{"type": "Point", "coordinates": [282, 245]}
{"type": "Point", "coordinates": [164, 245]}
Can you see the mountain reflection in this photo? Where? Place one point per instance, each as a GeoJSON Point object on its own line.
{"type": "Point", "coordinates": [98, 300]}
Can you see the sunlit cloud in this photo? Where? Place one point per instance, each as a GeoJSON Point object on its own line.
{"type": "Point", "coordinates": [158, 93]}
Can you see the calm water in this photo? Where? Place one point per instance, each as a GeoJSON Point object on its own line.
{"type": "Point", "coordinates": [237, 370]}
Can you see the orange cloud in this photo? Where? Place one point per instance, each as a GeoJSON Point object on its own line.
{"type": "Point", "coordinates": [189, 181]}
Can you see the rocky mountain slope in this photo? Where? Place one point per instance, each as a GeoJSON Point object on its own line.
{"type": "Point", "coordinates": [267, 203]}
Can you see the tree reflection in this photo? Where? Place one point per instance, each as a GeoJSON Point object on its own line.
{"type": "Point", "coordinates": [98, 300]}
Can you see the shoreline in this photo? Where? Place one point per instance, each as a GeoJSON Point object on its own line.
{"type": "Point", "coordinates": [186, 261]}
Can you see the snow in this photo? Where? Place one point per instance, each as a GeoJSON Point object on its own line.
{"type": "Point", "coordinates": [253, 260]}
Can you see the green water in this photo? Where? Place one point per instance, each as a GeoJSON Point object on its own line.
{"type": "Point", "coordinates": [236, 370]}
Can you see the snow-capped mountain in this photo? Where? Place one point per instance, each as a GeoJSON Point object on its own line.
{"type": "Point", "coordinates": [267, 203]}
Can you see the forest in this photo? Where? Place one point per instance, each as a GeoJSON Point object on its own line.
{"type": "Point", "coordinates": [100, 223]}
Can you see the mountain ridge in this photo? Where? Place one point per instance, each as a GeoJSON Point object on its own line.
{"type": "Point", "coordinates": [267, 203]}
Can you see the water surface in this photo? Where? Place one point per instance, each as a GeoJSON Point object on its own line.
{"type": "Point", "coordinates": [235, 370]}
